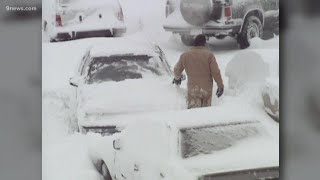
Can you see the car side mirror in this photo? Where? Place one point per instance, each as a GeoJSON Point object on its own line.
{"type": "Point", "coordinates": [75, 81]}
{"type": "Point", "coordinates": [117, 144]}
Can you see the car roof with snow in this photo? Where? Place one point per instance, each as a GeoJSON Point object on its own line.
{"type": "Point", "coordinates": [122, 45]}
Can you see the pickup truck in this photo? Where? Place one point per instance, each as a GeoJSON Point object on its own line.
{"type": "Point", "coordinates": [241, 19]}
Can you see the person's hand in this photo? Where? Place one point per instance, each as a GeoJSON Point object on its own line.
{"type": "Point", "coordinates": [176, 82]}
{"type": "Point", "coordinates": [219, 92]}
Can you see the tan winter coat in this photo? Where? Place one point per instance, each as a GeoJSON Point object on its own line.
{"type": "Point", "coordinates": [201, 68]}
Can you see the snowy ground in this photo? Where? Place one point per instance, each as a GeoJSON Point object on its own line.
{"type": "Point", "coordinates": [62, 146]}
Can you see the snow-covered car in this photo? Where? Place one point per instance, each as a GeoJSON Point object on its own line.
{"type": "Point", "coordinates": [222, 142]}
{"type": "Point", "coordinates": [242, 19]}
{"type": "Point", "coordinates": [75, 19]}
{"type": "Point", "coordinates": [120, 76]}
{"type": "Point", "coordinates": [270, 97]}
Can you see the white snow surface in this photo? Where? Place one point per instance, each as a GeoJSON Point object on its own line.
{"type": "Point", "coordinates": [114, 98]}
{"type": "Point", "coordinates": [67, 154]}
{"type": "Point", "coordinates": [246, 67]}
{"type": "Point", "coordinates": [124, 45]}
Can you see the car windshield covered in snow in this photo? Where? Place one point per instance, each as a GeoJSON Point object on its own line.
{"type": "Point", "coordinates": [121, 67]}
{"type": "Point", "coordinates": [208, 139]}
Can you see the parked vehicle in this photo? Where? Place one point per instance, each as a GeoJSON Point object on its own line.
{"type": "Point", "coordinates": [75, 19]}
{"type": "Point", "coordinates": [198, 144]}
{"type": "Point", "coordinates": [270, 97]}
{"type": "Point", "coordinates": [241, 19]}
{"type": "Point", "coordinates": [111, 81]}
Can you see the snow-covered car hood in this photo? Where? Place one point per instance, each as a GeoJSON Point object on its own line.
{"type": "Point", "coordinates": [130, 96]}
{"type": "Point", "coordinates": [260, 152]}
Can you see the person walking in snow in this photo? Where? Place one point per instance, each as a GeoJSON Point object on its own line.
{"type": "Point", "coordinates": [201, 68]}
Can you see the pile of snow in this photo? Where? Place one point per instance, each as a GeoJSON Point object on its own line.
{"type": "Point", "coordinates": [72, 158]}
{"type": "Point", "coordinates": [246, 67]}
{"type": "Point", "coordinates": [59, 116]}
{"type": "Point", "coordinates": [257, 43]}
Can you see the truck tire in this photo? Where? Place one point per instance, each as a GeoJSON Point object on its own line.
{"type": "Point", "coordinates": [252, 28]}
{"type": "Point", "coordinates": [196, 12]}
{"type": "Point", "coordinates": [187, 39]}
{"type": "Point", "coordinates": [104, 171]}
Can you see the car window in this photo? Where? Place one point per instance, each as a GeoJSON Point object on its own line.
{"type": "Point", "coordinates": [206, 140]}
{"type": "Point", "coordinates": [119, 68]}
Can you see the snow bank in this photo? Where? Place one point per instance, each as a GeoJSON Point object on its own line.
{"type": "Point", "coordinates": [72, 158]}
{"type": "Point", "coordinates": [58, 114]}
{"type": "Point", "coordinates": [246, 67]}
{"type": "Point", "coordinates": [257, 43]}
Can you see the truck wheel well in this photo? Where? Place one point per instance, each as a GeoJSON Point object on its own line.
{"type": "Point", "coordinates": [256, 13]}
